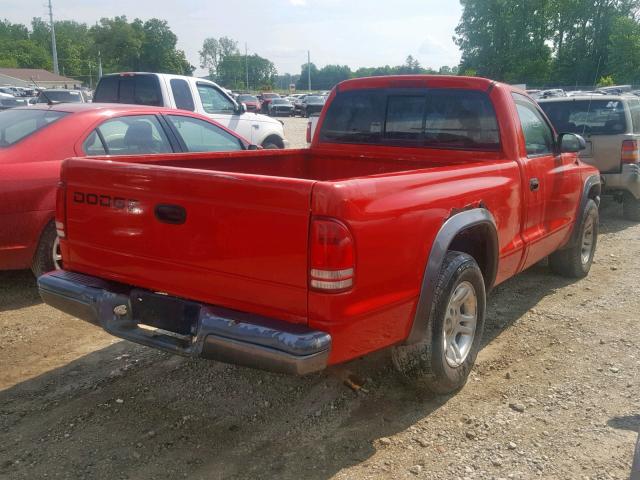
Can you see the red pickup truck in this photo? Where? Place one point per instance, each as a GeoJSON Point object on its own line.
{"type": "Point", "coordinates": [418, 195]}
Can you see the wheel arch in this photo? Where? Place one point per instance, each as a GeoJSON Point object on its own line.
{"type": "Point", "coordinates": [591, 191]}
{"type": "Point", "coordinates": [275, 139]}
{"type": "Point", "coordinates": [471, 231]}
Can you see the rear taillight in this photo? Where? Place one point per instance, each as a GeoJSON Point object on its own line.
{"type": "Point", "coordinates": [630, 152]}
{"type": "Point", "coordinates": [332, 256]}
{"type": "Point", "coordinates": [308, 132]}
{"type": "Point", "coordinates": [60, 209]}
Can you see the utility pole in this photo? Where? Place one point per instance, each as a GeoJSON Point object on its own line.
{"type": "Point", "coordinates": [246, 64]}
{"type": "Point", "coordinates": [99, 66]}
{"type": "Point", "coordinates": [90, 76]}
{"type": "Point", "coordinates": [309, 70]}
{"type": "Point", "coordinates": [53, 41]}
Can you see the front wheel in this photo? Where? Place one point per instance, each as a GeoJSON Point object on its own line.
{"type": "Point", "coordinates": [47, 256]}
{"type": "Point", "coordinates": [576, 261]}
{"type": "Point", "coordinates": [442, 361]}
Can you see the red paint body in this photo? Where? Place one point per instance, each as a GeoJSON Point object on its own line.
{"type": "Point", "coordinates": [245, 243]}
{"type": "Point", "coordinates": [29, 173]}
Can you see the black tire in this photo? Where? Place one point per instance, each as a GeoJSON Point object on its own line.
{"type": "Point", "coordinates": [270, 146]}
{"type": "Point", "coordinates": [425, 364]}
{"type": "Point", "coordinates": [573, 261]}
{"type": "Point", "coordinates": [43, 258]}
{"type": "Point", "coordinates": [631, 208]}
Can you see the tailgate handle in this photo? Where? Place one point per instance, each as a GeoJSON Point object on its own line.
{"type": "Point", "coordinates": [173, 214]}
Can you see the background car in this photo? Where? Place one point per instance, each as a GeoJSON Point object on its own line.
{"type": "Point", "coordinates": [266, 100]}
{"type": "Point", "coordinates": [194, 95]}
{"type": "Point", "coordinates": [280, 106]}
{"type": "Point", "coordinates": [35, 140]}
{"type": "Point", "coordinates": [252, 103]}
{"type": "Point", "coordinates": [61, 95]}
{"type": "Point", "coordinates": [312, 104]}
{"type": "Point", "coordinates": [611, 127]}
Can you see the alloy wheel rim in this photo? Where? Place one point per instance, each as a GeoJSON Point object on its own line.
{"type": "Point", "coordinates": [588, 238]}
{"type": "Point", "coordinates": [56, 254]}
{"type": "Point", "coordinates": [461, 318]}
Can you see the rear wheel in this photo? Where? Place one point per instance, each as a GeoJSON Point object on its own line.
{"type": "Point", "coordinates": [47, 256]}
{"type": "Point", "coordinates": [576, 261]}
{"type": "Point", "coordinates": [442, 361]}
{"type": "Point", "coordinates": [631, 208]}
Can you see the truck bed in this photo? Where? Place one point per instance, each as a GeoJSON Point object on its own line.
{"type": "Point", "coordinates": [304, 164]}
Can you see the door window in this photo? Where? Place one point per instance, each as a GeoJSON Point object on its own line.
{"type": "Point", "coordinates": [137, 134]}
{"type": "Point", "coordinates": [538, 135]}
{"type": "Point", "coordinates": [93, 145]}
{"type": "Point", "coordinates": [213, 101]}
{"type": "Point", "coordinates": [201, 136]}
{"type": "Point", "coordinates": [182, 94]}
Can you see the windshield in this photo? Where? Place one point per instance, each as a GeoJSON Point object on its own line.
{"type": "Point", "coordinates": [314, 100]}
{"type": "Point", "coordinates": [18, 124]}
{"type": "Point", "coordinates": [67, 96]}
{"type": "Point", "coordinates": [247, 98]}
{"type": "Point", "coordinates": [592, 117]}
{"type": "Point", "coordinates": [437, 118]}
{"type": "Point", "coordinates": [280, 101]}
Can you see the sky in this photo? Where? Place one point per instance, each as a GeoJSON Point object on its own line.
{"type": "Point", "coordinates": [358, 33]}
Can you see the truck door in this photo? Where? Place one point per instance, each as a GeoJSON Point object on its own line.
{"type": "Point", "coordinates": [220, 108]}
{"type": "Point", "coordinates": [552, 184]}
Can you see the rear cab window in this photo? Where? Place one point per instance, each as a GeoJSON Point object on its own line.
{"type": "Point", "coordinates": [132, 89]}
{"type": "Point", "coordinates": [587, 117]}
{"type": "Point", "coordinates": [434, 118]}
{"type": "Point", "coordinates": [16, 125]}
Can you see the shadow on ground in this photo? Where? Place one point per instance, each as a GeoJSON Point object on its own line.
{"type": "Point", "coordinates": [131, 412]}
{"type": "Point", "coordinates": [17, 290]}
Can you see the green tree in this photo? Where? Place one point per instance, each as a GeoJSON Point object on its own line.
{"type": "Point", "coordinates": [505, 40]}
{"type": "Point", "coordinates": [232, 72]}
{"type": "Point", "coordinates": [158, 51]}
{"type": "Point", "coordinates": [624, 51]}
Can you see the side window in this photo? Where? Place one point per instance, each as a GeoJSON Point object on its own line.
{"type": "Point", "coordinates": [538, 136]}
{"type": "Point", "coordinates": [137, 134]}
{"type": "Point", "coordinates": [201, 136]}
{"type": "Point", "coordinates": [182, 94]}
{"type": "Point", "coordinates": [634, 107]}
{"type": "Point", "coordinates": [93, 145]}
{"type": "Point", "coordinates": [213, 101]}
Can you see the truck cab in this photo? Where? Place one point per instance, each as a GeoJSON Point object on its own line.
{"type": "Point", "coordinates": [192, 94]}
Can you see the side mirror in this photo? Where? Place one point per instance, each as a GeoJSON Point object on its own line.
{"type": "Point", "coordinates": [240, 108]}
{"type": "Point", "coordinates": [571, 143]}
{"type": "Point", "coordinates": [253, 147]}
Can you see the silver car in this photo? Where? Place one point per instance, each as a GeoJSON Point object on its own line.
{"type": "Point", "coordinates": [610, 125]}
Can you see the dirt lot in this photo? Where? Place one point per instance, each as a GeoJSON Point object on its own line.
{"type": "Point", "coordinates": [554, 395]}
{"type": "Point", "coordinates": [295, 130]}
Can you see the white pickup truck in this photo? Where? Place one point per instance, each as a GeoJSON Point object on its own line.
{"type": "Point", "coordinates": [193, 94]}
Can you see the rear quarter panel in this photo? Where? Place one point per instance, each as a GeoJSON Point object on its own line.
{"type": "Point", "coordinates": [394, 220]}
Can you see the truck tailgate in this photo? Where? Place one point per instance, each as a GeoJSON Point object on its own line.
{"type": "Point", "coordinates": [242, 242]}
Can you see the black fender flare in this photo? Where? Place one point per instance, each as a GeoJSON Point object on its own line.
{"type": "Point", "coordinates": [450, 229]}
{"type": "Point", "coordinates": [590, 182]}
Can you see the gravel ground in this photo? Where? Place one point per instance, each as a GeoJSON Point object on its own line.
{"type": "Point", "coordinates": [554, 395]}
{"type": "Point", "coordinates": [295, 130]}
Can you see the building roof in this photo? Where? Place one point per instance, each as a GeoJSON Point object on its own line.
{"type": "Point", "coordinates": [38, 74]}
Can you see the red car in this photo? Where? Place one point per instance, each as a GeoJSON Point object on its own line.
{"type": "Point", "coordinates": [266, 99]}
{"type": "Point", "coordinates": [418, 195]}
{"type": "Point", "coordinates": [252, 103]}
{"type": "Point", "coordinates": [34, 141]}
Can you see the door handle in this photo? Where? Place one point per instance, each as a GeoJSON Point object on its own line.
{"type": "Point", "coordinates": [171, 214]}
{"type": "Point", "coordinates": [534, 184]}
